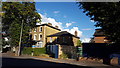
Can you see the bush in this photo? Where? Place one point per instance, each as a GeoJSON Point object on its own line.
{"type": "Point", "coordinates": [27, 50]}
{"type": "Point", "coordinates": [63, 56]}
{"type": "Point", "coordinates": [36, 51]}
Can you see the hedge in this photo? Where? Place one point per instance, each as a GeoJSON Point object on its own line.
{"type": "Point", "coordinates": [36, 51]}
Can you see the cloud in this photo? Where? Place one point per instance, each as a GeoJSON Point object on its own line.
{"type": "Point", "coordinates": [46, 19]}
{"type": "Point", "coordinates": [92, 20]}
{"type": "Point", "coordinates": [56, 12]}
{"type": "Point", "coordinates": [68, 24]}
{"type": "Point", "coordinates": [87, 29]}
{"type": "Point", "coordinates": [72, 31]}
{"type": "Point", "coordinates": [85, 40]}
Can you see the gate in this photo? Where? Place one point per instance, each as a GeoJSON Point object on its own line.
{"type": "Point", "coordinates": [53, 50]}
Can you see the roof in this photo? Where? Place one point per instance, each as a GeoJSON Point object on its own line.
{"type": "Point", "coordinates": [49, 26]}
{"type": "Point", "coordinates": [99, 32]}
{"type": "Point", "coordinates": [63, 33]}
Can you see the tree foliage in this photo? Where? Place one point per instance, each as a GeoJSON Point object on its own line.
{"type": "Point", "coordinates": [106, 15]}
{"type": "Point", "coordinates": [14, 14]}
{"type": "Point", "coordinates": [79, 43]}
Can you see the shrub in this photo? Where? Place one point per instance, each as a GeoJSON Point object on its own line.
{"type": "Point", "coordinates": [63, 56]}
{"type": "Point", "coordinates": [36, 51]}
{"type": "Point", "coordinates": [27, 50]}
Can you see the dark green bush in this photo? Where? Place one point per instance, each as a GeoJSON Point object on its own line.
{"type": "Point", "coordinates": [36, 51]}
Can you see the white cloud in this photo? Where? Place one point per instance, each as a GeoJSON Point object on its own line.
{"type": "Point", "coordinates": [85, 40]}
{"type": "Point", "coordinates": [72, 31]}
{"type": "Point", "coordinates": [87, 29]}
{"type": "Point", "coordinates": [68, 24]}
{"type": "Point", "coordinates": [56, 11]}
{"type": "Point", "coordinates": [92, 20]}
{"type": "Point", "coordinates": [46, 19]}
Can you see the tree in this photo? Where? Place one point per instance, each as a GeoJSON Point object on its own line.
{"type": "Point", "coordinates": [14, 14]}
{"type": "Point", "coordinates": [106, 15]}
{"type": "Point", "coordinates": [79, 43]}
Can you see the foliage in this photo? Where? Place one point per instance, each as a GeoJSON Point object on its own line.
{"type": "Point", "coordinates": [14, 14]}
{"type": "Point", "coordinates": [79, 43]}
{"type": "Point", "coordinates": [27, 50]}
{"type": "Point", "coordinates": [63, 56]}
{"type": "Point", "coordinates": [106, 15]}
{"type": "Point", "coordinates": [36, 51]}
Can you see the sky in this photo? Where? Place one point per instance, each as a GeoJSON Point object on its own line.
{"type": "Point", "coordinates": [68, 17]}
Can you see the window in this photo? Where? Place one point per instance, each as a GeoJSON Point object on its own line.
{"type": "Point", "coordinates": [40, 44]}
{"type": "Point", "coordinates": [40, 37]}
{"type": "Point", "coordinates": [40, 29]}
{"type": "Point", "coordinates": [35, 36]}
{"type": "Point", "coordinates": [35, 29]}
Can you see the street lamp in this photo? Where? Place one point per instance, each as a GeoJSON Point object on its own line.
{"type": "Point", "coordinates": [20, 39]}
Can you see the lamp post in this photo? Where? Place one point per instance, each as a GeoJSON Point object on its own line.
{"type": "Point", "coordinates": [20, 39]}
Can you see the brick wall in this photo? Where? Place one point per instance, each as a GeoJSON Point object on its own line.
{"type": "Point", "coordinates": [69, 50]}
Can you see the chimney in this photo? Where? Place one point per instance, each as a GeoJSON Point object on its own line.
{"type": "Point", "coordinates": [49, 24]}
{"type": "Point", "coordinates": [56, 27]}
{"type": "Point", "coordinates": [76, 33]}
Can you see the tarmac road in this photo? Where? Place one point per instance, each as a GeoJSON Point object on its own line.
{"type": "Point", "coordinates": [33, 62]}
{"type": "Point", "coordinates": [20, 62]}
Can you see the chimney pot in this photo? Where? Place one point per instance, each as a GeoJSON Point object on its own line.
{"type": "Point", "coordinates": [50, 24]}
{"type": "Point", "coordinates": [76, 33]}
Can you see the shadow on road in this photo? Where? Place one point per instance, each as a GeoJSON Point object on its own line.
{"type": "Point", "coordinates": [32, 63]}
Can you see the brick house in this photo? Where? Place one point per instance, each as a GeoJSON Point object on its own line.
{"type": "Point", "coordinates": [63, 38]}
{"type": "Point", "coordinates": [46, 34]}
{"type": "Point", "coordinates": [40, 33]}
{"type": "Point", "coordinates": [99, 37]}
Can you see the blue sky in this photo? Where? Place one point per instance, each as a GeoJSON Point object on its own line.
{"type": "Point", "coordinates": [68, 17]}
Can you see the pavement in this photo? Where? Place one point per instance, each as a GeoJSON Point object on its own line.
{"type": "Point", "coordinates": [33, 61]}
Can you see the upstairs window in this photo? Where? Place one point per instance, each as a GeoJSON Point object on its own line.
{"type": "Point", "coordinates": [40, 29]}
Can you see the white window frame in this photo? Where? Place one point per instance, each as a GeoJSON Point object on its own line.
{"type": "Point", "coordinates": [35, 36]}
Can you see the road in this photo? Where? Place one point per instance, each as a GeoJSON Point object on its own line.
{"type": "Point", "coordinates": [31, 62]}
{"type": "Point", "coordinates": [21, 62]}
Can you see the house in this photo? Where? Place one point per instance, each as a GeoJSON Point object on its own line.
{"type": "Point", "coordinates": [99, 37]}
{"type": "Point", "coordinates": [62, 43]}
{"type": "Point", "coordinates": [63, 38]}
{"type": "Point", "coordinates": [40, 33]}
